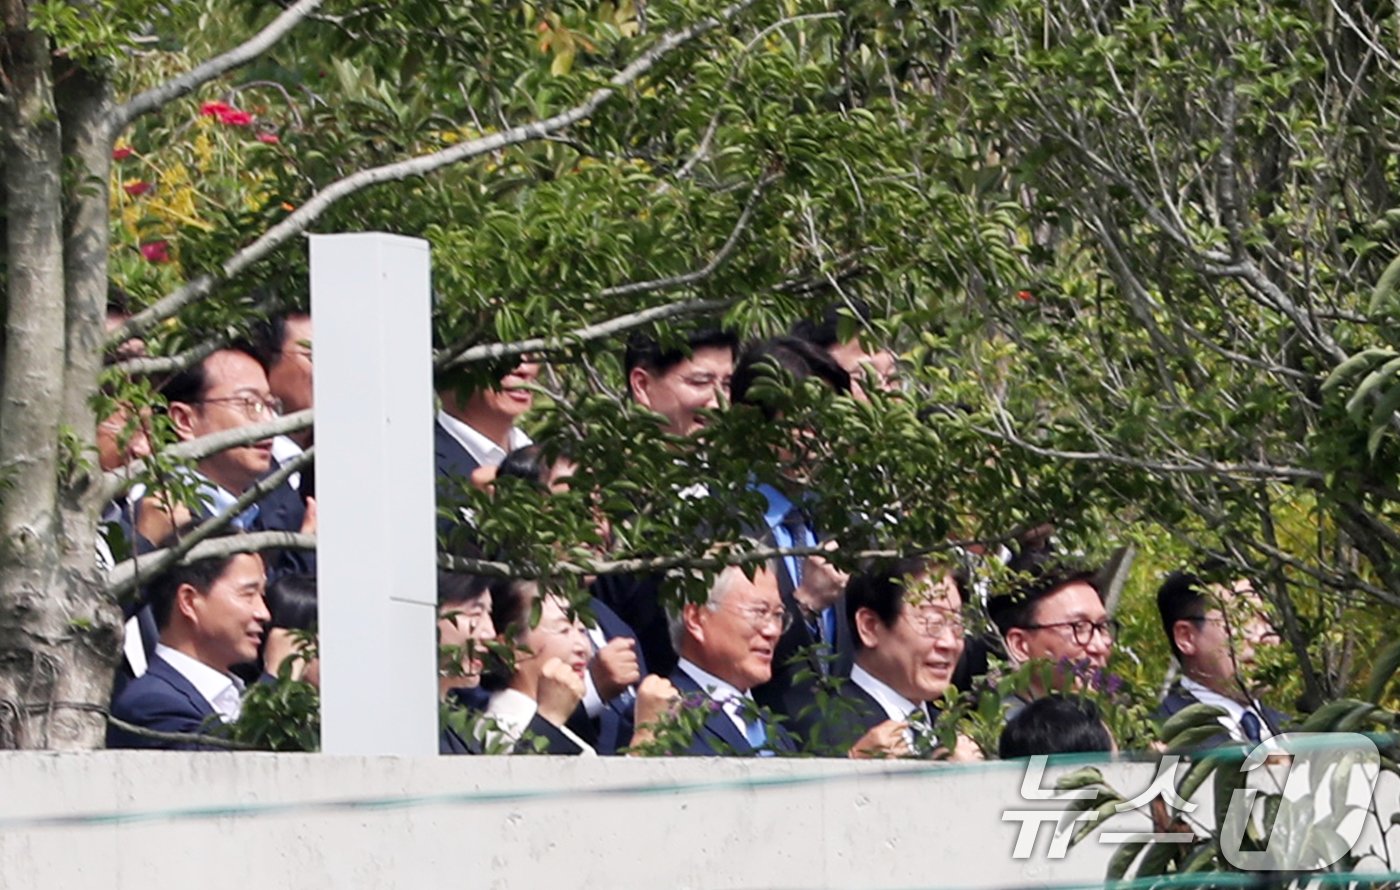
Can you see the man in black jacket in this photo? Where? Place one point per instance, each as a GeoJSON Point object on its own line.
{"type": "Point", "coordinates": [1213, 631]}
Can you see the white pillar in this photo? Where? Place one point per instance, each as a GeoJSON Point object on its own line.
{"type": "Point", "coordinates": [376, 545]}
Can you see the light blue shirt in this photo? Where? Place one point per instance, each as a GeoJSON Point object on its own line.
{"type": "Point", "coordinates": [778, 507]}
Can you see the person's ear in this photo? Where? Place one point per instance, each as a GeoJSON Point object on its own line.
{"type": "Point", "coordinates": [182, 419]}
{"type": "Point", "coordinates": [1184, 634]}
{"type": "Point", "coordinates": [868, 627]}
{"type": "Point", "coordinates": [1018, 644]}
{"type": "Point", "coordinates": [638, 379]}
{"type": "Point", "coordinates": [186, 597]}
{"type": "Point", "coordinates": [693, 621]}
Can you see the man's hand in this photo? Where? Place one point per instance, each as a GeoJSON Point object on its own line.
{"type": "Point", "coordinates": [965, 750]}
{"type": "Point", "coordinates": [559, 692]}
{"type": "Point", "coordinates": [889, 739]}
{"type": "Point", "coordinates": [308, 519]}
{"type": "Point", "coordinates": [281, 644]}
{"type": "Point", "coordinates": [822, 582]}
{"type": "Point", "coordinates": [656, 697]}
{"type": "Point", "coordinates": [615, 667]}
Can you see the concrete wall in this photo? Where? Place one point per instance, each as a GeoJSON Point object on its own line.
{"type": "Point", "coordinates": [591, 823]}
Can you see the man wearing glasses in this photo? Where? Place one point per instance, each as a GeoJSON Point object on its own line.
{"type": "Point", "coordinates": [1213, 631]}
{"type": "Point", "coordinates": [1053, 618]}
{"type": "Point", "coordinates": [726, 648]}
{"type": "Point", "coordinates": [228, 390]}
{"type": "Point", "coordinates": [907, 627]}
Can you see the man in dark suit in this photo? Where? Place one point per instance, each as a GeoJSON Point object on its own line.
{"type": "Point", "coordinates": [226, 391]}
{"type": "Point", "coordinates": [211, 616]}
{"type": "Point", "coordinates": [726, 648]}
{"type": "Point", "coordinates": [614, 670]}
{"type": "Point", "coordinates": [478, 429]}
{"type": "Point", "coordinates": [818, 643]}
{"type": "Point", "coordinates": [474, 432]}
{"type": "Point", "coordinates": [906, 620]}
{"type": "Point", "coordinates": [680, 383]}
{"type": "Point", "coordinates": [1052, 615]}
{"type": "Point", "coordinates": [1213, 631]}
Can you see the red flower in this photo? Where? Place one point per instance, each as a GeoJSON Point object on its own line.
{"type": "Point", "coordinates": [269, 138]}
{"type": "Point", "coordinates": [226, 114]}
{"type": "Point", "coordinates": [137, 188]}
{"type": "Point", "coordinates": [121, 154]}
{"type": "Point", "coordinates": [156, 251]}
{"type": "Point", "coordinates": [1025, 296]}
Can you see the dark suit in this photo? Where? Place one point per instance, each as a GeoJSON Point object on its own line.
{"type": "Point", "coordinates": [848, 715]}
{"type": "Point", "coordinates": [452, 459]}
{"type": "Point", "coordinates": [637, 601]}
{"type": "Point", "coordinates": [719, 736]}
{"type": "Point", "coordinates": [798, 668]}
{"type": "Point", "coordinates": [555, 741]}
{"type": "Point", "coordinates": [613, 726]}
{"type": "Point", "coordinates": [1178, 699]}
{"type": "Point", "coordinates": [163, 700]}
{"type": "Point", "coordinates": [282, 510]}
{"type": "Point", "coordinates": [454, 471]}
{"type": "Point", "coordinates": [470, 702]}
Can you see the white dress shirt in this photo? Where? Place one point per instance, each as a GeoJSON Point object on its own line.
{"type": "Point", "coordinates": [483, 450]}
{"type": "Point", "coordinates": [224, 692]}
{"type": "Point", "coordinates": [510, 712]}
{"type": "Point", "coordinates": [734, 703]}
{"type": "Point", "coordinates": [1234, 711]}
{"type": "Point", "coordinates": [896, 706]}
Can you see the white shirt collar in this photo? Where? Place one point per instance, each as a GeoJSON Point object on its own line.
{"type": "Point", "coordinates": [483, 450]}
{"type": "Point", "coordinates": [896, 706]}
{"type": "Point", "coordinates": [224, 692]}
{"type": "Point", "coordinates": [283, 450]}
{"type": "Point", "coordinates": [511, 712]}
{"type": "Point", "coordinates": [727, 695]}
{"type": "Point", "coordinates": [1234, 711]}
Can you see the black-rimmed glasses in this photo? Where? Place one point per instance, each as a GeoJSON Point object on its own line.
{"type": "Point", "coordinates": [1083, 630]}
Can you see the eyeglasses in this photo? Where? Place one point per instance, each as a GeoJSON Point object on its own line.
{"type": "Point", "coordinates": [935, 623]}
{"type": "Point", "coordinates": [252, 407]}
{"type": "Point", "coordinates": [760, 617]}
{"type": "Point", "coordinates": [1083, 630]}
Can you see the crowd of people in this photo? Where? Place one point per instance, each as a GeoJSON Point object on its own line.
{"type": "Point", "coordinates": [793, 656]}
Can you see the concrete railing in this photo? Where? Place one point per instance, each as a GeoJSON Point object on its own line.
{"type": "Point", "coordinates": [152, 820]}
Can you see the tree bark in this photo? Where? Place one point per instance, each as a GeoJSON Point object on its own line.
{"type": "Point", "coordinates": [56, 635]}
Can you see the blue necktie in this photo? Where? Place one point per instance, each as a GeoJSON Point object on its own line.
{"type": "Point", "coordinates": [757, 737]}
{"type": "Point", "coordinates": [1250, 725]}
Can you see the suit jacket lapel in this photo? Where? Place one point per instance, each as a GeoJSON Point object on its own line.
{"type": "Point", "coordinates": [717, 723]}
{"type": "Point", "coordinates": [162, 669]}
{"type": "Point", "coordinates": [452, 458]}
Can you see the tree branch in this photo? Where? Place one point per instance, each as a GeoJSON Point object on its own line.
{"type": "Point", "coordinates": [1198, 468]}
{"type": "Point", "coordinates": [488, 351]}
{"type": "Point", "coordinates": [496, 569]}
{"type": "Point", "coordinates": [114, 482]}
{"type": "Point", "coordinates": [126, 576]}
{"type": "Point", "coordinates": [154, 98]}
{"type": "Point", "coordinates": [300, 219]}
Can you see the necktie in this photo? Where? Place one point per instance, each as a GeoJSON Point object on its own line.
{"type": "Point", "coordinates": [1250, 725]}
{"type": "Point", "coordinates": [795, 524]}
{"type": "Point", "coordinates": [757, 737]}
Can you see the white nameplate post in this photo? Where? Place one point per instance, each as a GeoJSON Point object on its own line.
{"type": "Point", "coordinates": [376, 549]}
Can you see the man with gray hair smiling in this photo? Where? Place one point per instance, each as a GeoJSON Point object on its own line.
{"type": "Point", "coordinates": [726, 647]}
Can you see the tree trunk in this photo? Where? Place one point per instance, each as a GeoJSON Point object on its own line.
{"type": "Point", "coordinates": [56, 634]}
